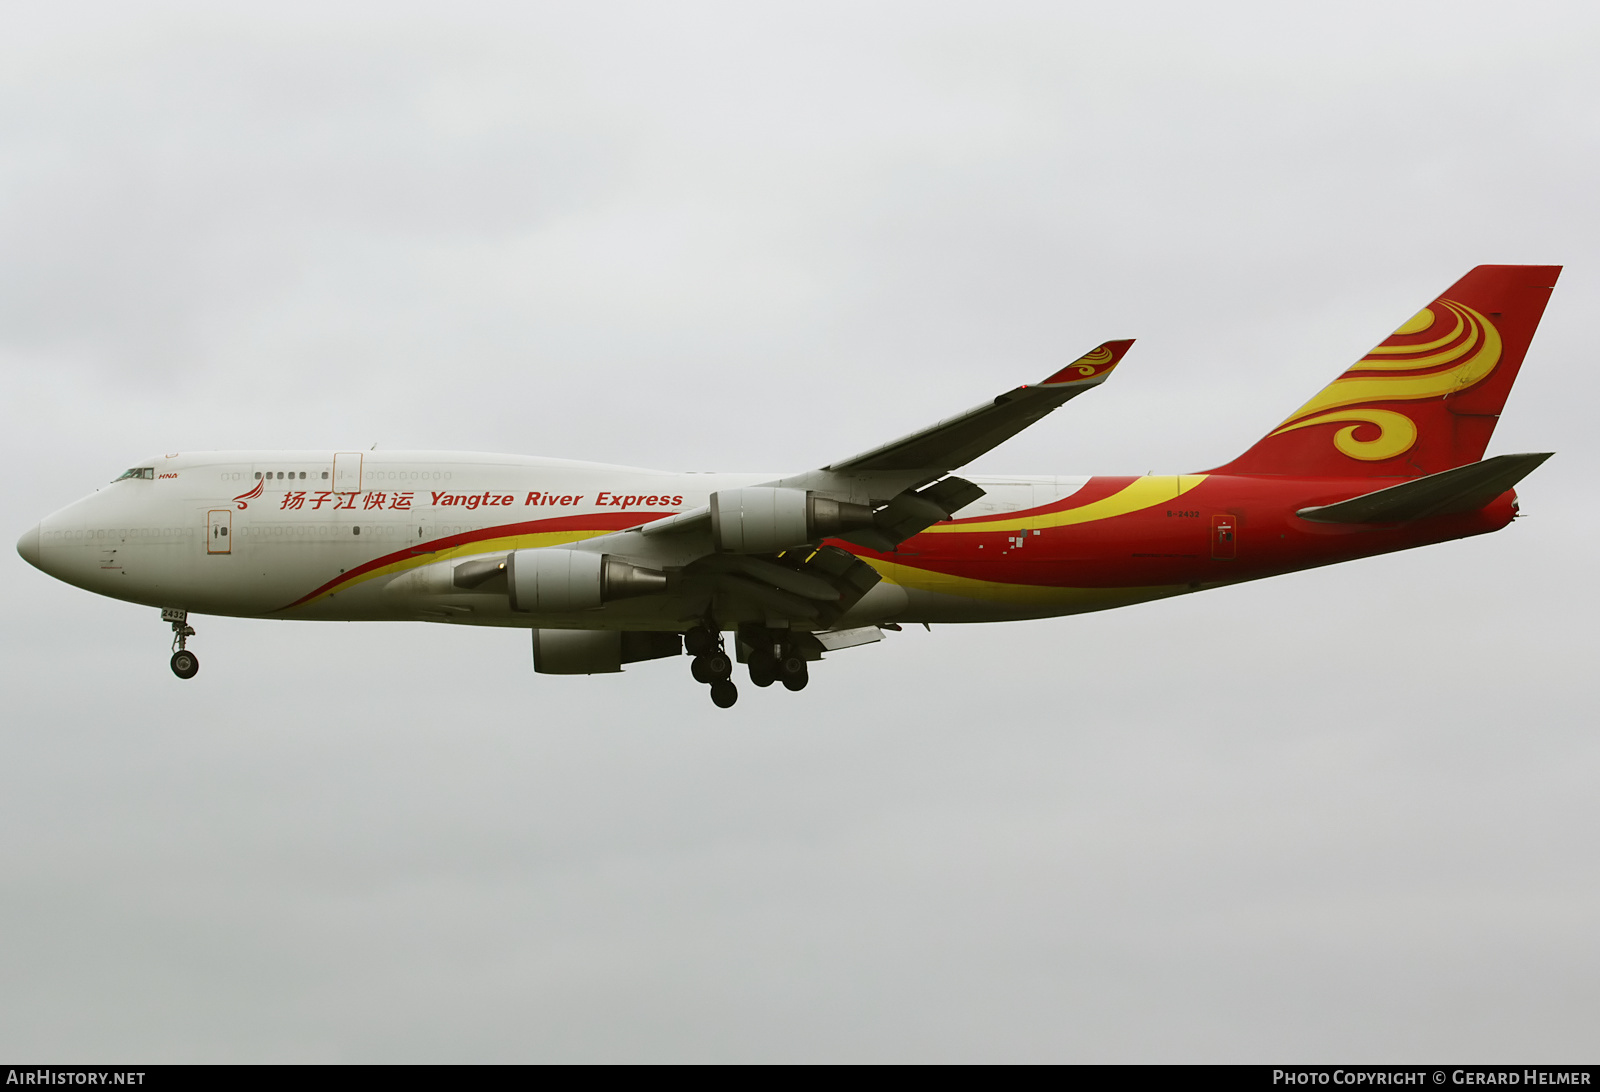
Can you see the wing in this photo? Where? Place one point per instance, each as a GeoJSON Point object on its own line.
{"type": "Point", "coordinates": [891, 474]}
{"type": "Point", "coordinates": [957, 440]}
{"type": "Point", "coordinates": [756, 552]}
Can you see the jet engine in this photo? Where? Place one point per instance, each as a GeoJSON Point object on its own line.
{"type": "Point", "coordinates": [598, 651]}
{"type": "Point", "coordinates": [767, 520]}
{"type": "Point", "coordinates": [554, 579]}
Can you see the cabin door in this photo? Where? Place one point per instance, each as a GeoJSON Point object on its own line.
{"type": "Point", "coordinates": [347, 472]}
{"type": "Point", "coordinates": [219, 531]}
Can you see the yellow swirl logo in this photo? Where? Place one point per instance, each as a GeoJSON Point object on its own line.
{"type": "Point", "coordinates": [1093, 361]}
{"type": "Point", "coordinates": [1461, 349]}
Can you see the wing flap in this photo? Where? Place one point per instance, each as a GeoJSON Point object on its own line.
{"type": "Point", "coordinates": [835, 639]}
{"type": "Point", "coordinates": [768, 572]}
{"type": "Point", "coordinates": [911, 513]}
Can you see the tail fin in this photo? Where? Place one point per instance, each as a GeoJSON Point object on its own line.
{"type": "Point", "coordinates": [1426, 399]}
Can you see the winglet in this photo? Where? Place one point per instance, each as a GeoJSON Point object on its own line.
{"type": "Point", "coordinates": [1090, 368]}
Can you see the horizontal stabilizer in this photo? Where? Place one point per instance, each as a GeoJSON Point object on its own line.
{"type": "Point", "coordinates": [1464, 489]}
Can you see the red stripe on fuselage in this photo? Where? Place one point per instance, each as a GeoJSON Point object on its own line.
{"type": "Point", "coordinates": [599, 522]}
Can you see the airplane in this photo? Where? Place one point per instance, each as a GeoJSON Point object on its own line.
{"type": "Point", "coordinates": [613, 565]}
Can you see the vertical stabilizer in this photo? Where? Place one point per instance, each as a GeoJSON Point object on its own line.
{"type": "Point", "coordinates": [1427, 398]}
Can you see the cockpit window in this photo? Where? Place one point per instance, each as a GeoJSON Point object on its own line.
{"type": "Point", "coordinates": [148, 473]}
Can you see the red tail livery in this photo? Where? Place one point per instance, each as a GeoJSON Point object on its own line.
{"type": "Point", "coordinates": [1424, 400]}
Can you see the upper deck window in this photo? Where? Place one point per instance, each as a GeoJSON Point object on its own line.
{"type": "Point", "coordinates": [148, 473]}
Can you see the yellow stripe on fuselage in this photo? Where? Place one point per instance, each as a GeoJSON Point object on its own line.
{"type": "Point", "coordinates": [469, 549]}
{"type": "Point", "coordinates": [1020, 595]}
{"type": "Point", "coordinates": [1146, 492]}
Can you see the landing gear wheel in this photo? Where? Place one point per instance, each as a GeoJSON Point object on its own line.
{"type": "Point", "coordinates": [792, 670]}
{"type": "Point", "coordinates": [763, 669]}
{"type": "Point", "coordinates": [724, 694]}
{"type": "Point", "coordinates": [185, 664]}
{"type": "Point", "coordinates": [699, 641]}
{"type": "Point", "coordinates": [712, 667]}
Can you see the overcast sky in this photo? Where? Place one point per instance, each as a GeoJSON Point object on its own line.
{"type": "Point", "coordinates": [1346, 814]}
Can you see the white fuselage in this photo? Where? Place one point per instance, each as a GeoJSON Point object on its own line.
{"type": "Point", "coordinates": [318, 534]}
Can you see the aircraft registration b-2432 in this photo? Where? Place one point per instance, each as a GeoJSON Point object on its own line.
{"type": "Point", "coordinates": [610, 565]}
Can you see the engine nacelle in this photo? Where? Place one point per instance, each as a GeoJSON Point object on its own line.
{"type": "Point", "coordinates": [555, 579]}
{"type": "Point", "coordinates": [598, 651]}
{"type": "Point", "coordinates": [767, 520]}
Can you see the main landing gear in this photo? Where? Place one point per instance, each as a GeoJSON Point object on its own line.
{"type": "Point", "coordinates": [771, 655]}
{"type": "Point", "coordinates": [185, 664]}
{"type": "Point", "coordinates": [711, 664]}
{"type": "Point", "coordinates": [778, 664]}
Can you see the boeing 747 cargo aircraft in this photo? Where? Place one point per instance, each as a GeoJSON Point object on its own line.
{"type": "Point", "coordinates": [611, 565]}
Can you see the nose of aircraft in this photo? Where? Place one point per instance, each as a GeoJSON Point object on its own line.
{"type": "Point", "coordinates": [28, 546]}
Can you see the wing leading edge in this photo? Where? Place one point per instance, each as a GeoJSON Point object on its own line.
{"type": "Point", "coordinates": [892, 473]}
{"type": "Point", "coordinates": [956, 441]}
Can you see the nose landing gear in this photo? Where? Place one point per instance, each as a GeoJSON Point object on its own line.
{"type": "Point", "coordinates": [185, 664]}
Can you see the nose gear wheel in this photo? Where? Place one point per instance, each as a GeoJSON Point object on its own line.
{"type": "Point", "coordinates": [185, 664]}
